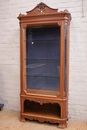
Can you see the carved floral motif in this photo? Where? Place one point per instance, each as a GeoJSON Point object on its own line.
{"type": "Point", "coordinates": [42, 101]}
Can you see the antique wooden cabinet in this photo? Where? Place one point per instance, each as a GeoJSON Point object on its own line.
{"type": "Point", "coordinates": [44, 61]}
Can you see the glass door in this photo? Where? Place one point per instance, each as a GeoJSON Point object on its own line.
{"type": "Point", "coordinates": [43, 60]}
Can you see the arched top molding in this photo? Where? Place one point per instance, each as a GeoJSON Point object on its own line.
{"type": "Point", "coordinates": [41, 8]}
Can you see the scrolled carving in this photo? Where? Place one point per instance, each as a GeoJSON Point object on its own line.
{"type": "Point", "coordinates": [21, 15]}
{"type": "Point", "coordinates": [60, 23]}
{"type": "Point", "coordinates": [41, 7]}
{"type": "Point", "coordinates": [66, 23]}
{"type": "Point", "coordinates": [67, 16]}
{"type": "Point", "coordinates": [43, 101]}
{"type": "Point", "coordinates": [66, 11]}
{"type": "Point", "coordinates": [43, 119]}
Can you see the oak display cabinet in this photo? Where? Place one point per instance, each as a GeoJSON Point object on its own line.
{"type": "Point", "coordinates": [44, 60]}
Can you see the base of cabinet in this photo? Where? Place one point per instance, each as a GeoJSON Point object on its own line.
{"type": "Point", "coordinates": [53, 111]}
{"type": "Point", "coordinates": [62, 123]}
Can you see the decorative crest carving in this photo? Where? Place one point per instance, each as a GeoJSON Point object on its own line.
{"type": "Point", "coordinates": [41, 7]}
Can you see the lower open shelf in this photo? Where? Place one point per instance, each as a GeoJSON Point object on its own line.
{"type": "Point", "coordinates": [46, 111]}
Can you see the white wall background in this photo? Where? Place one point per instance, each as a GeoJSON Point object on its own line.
{"type": "Point", "coordinates": [10, 52]}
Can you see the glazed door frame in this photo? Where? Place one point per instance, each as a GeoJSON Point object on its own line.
{"type": "Point", "coordinates": [23, 26]}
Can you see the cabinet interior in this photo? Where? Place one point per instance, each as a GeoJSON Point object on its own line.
{"type": "Point", "coordinates": [43, 58]}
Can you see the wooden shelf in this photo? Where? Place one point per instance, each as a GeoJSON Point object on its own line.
{"type": "Point", "coordinates": [42, 92]}
{"type": "Point", "coordinates": [45, 110]}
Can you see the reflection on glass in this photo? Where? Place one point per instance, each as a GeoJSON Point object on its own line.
{"type": "Point", "coordinates": [43, 58]}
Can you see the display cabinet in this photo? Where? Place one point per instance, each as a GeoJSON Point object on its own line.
{"type": "Point", "coordinates": [44, 62]}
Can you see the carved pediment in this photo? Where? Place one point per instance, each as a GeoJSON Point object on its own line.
{"type": "Point", "coordinates": [42, 8]}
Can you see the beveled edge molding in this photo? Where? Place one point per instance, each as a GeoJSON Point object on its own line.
{"type": "Point", "coordinates": [45, 95]}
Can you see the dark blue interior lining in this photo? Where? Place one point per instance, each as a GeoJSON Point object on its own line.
{"type": "Point", "coordinates": [43, 58]}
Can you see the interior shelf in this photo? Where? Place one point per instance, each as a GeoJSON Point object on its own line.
{"type": "Point", "coordinates": [43, 75]}
{"type": "Point", "coordinates": [53, 40]}
{"type": "Point", "coordinates": [42, 59]}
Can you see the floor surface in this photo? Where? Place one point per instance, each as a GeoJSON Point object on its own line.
{"type": "Point", "coordinates": [9, 120]}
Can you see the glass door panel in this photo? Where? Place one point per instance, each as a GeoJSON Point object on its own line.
{"type": "Point", "coordinates": [43, 60]}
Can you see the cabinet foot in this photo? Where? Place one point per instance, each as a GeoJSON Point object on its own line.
{"type": "Point", "coordinates": [22, 119]}
{"type": "Point", "coordinates": [62, 125]}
